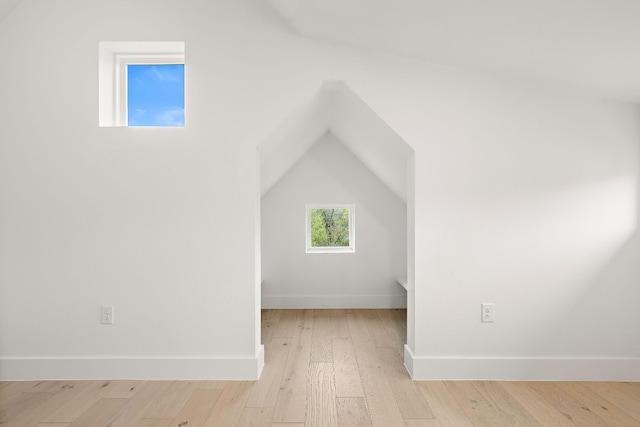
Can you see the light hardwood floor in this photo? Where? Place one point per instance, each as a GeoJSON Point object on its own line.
{"type": "Point", "coordinates": [323, 368]}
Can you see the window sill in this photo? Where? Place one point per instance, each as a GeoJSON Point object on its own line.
{"type": "Point", "coordinates": [330, 250]}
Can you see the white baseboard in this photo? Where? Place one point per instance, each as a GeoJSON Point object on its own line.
{"type": "Point", "coordinates": [521, 369]}
{"type": "Point", "coordinates": [334, 301]}
{"type": "Point", "coordinates": [24, 369]}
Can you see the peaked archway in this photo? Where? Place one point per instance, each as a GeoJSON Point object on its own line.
{"type": "Point", "coordinates": [338, 111]}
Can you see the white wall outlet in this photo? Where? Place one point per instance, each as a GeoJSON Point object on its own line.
{"type": "Point", "coordinates": [488, 312]}
{"type": "Point", "coordinates": [106, 314]}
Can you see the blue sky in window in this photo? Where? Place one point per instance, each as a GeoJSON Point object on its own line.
{"type": "Point", "coordinates": [155, 95]}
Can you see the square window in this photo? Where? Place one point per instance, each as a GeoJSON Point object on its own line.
{"type": "Point", "coordinates": [155, 95]}
{"type": "Point", "coordinates": [330, 228]}
{"type": "Point", "coordinates": [142, 84]}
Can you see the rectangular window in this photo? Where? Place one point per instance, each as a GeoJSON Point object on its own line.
{"type": "Point", "coordinates": [155, 95]}
{"type": "Point", "coordinates": [142, 84]}
{"type": "Point", "coordinates": [330, 228]}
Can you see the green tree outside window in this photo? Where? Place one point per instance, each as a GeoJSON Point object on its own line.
{"type": "Point", "coordinates": [329, 227]}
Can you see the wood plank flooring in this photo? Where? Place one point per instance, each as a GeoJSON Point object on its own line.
{"type": "Point", "coordinates": [323, 368]}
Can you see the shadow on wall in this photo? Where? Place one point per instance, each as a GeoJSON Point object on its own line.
{"type": "Point", "coordinates": [610, 300]}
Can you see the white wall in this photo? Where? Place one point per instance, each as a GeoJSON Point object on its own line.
{"type": "Point", "coordinates": [330, 173]}
{"type": "Point", "coordinates": [524, 197]}
{"type": "Point", "coordinates": [527, 199]}
{"type": "Point", "coordinates": [157, 222]}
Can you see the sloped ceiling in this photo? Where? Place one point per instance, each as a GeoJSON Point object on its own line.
{"type": "Point", "coordinates": [6, 6]}
{"type": "Point", "coordinates": [291, 139]}
{"type": "Point", "coordinates": [587, 45]}
{"type": "Point", "coordinates": [335, 108]}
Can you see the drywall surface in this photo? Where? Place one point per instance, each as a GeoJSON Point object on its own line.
{"type": "Point", "coordinates": [525, 196]}
{"type": "Point", "coordinates": [6, 6]}
{"type": "Point", "coordinates": [159, 223]}
{"type": "Point", "coordinates": [370, 139]}
{"type": "Point", "coordinates": [329, 173]}
{"type": "Point", "coordinates": [527, 199]}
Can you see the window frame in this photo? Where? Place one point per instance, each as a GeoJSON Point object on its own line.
{"type": "Point", "coordinates": [113, 59]}
{"type": "Point", "coordinates": [331, 249]}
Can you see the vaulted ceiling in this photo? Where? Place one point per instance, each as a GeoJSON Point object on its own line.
{"type": "Point", "coordinates": [587, 45]}
{"type": "Point", "coordinates": [335, 108]}
{"type": "Point", "coordinates": [584, 45]}
{"type": "Point", "coordinates": [591, 46]}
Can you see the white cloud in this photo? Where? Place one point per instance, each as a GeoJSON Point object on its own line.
{"type": "Point", "coordinates": [173, 117]}
{"type": "Point", "coordinates": [161, 74]}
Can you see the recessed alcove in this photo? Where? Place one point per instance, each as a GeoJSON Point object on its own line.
{"type": "Point", "coordinates": [335, 149]}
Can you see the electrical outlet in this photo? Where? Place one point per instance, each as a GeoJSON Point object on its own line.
{"type": "Point", "coordinates": [488, 313]}
{"type": "Point", "coordinates": [106, 314]}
